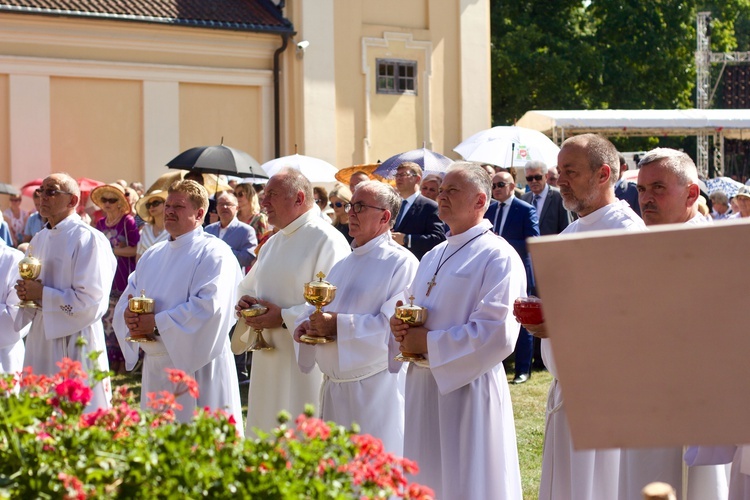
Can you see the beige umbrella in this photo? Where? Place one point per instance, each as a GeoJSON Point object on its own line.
{"type": "Point", "coordinates": [210, 182]}
{"type": "Point", "coordinates": [345, 174]}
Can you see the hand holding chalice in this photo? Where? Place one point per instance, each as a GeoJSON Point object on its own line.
{"type": "Point", "coordinates": [141, 305]}
{"type": "Point", "coordinates": [412, 315]}
{"type": "Point", "coordinates": [318, 293]}
{"type": "Point", "coordinates": [259, 344]}
{"type": "Point", "coordinates": [29, 268]}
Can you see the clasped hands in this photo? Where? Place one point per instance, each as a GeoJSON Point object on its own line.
{"type": "Point", "coordinates": [412, 339]}
{"type": "Point", "coordinates": [139, 324]}
{"type": "Point", "coordinates": [320, 324]}
{"type": "Point", "coordinates": [29, 290]}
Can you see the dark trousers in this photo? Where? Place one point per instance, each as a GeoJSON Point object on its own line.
{"type": "Point", "coordinates": [524, 352]}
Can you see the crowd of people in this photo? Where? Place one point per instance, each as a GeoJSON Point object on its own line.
{"type": "Point", "coordinates": [453, 243]}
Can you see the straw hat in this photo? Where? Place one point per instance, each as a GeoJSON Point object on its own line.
{"type": "Point", "coordinates": [140, 205]}
{"type": "Point", "coordinates": [110, 191]}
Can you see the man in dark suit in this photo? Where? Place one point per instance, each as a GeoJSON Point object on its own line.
{"type": "Point", "coordinates": [417, 227]}
{"type": "Point", "coordinates": [553, 217]}
{"type": "Point", "coordinates": [515, 220]}
{"type": "Point", "coordinates": [627, 190]}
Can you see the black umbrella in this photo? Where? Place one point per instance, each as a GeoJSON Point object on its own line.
{"type": "Point", "coordinates": [8, 189]}
{"type": "Point", "coordinates": [219, 159]}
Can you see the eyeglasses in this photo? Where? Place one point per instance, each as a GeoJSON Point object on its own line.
{"type": "Point", "coordinates": [15, 200]}
{"type": "Point", "coordinates": [154, 203]}
{"type": "Point", "coordinates": [316, 201]}
{"type": "Point", "coordinates": [338, 204]}
{"type": "Point", "coordinates": [357, 207]}
{"type": "Point", "coordinates": [50, 192]}
{"type": "Point", "coordinates": [239, 194]}
{"type": "Point", "coordinates": [404, 175]}
{"type": "Point", "coordinates": [108, 200]}
{"type": "Point", "coordinates": [500, 184]}
{"type": "Point", "coordinates": [537, 177]}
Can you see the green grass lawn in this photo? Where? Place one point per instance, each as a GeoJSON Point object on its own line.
{"type": "Point", "coordinates": [529, 401]}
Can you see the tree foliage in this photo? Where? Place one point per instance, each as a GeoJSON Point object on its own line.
{"type": "Point", "coordinates": [635, 54]}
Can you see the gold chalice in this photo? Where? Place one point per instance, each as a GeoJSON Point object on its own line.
{"type": "Point", "coordinates": [413, 316]}
{"type": "Point", "coordinates": [29, 268]}
{"type": "Point", "coordinates": [259, 344]}
{"type": "Point", "coordinates": [141, 305]}
{"type": "Point", "coordinates": [319, 293]}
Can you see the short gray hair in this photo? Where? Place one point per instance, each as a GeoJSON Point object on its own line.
{"type": "Point", "coordinates": [677, 162]}
{"type": "Point", "coordinates": [68, 184]}
{"type": "Point", "coordinates": [600, 151]}
{"type": "Point", "coordinates": [477, 176]}
{"type": "Point", "coordinates": [385, 195]}
{"type": "Point", "coordinates": [537, 164]}
{"type": "Point", "coordinates": [719, 197]}
{"type": "Point", "coordinates": [294, 181]}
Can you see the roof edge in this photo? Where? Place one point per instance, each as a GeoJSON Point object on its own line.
{"type": "Point", "coordinates": [219, 25]}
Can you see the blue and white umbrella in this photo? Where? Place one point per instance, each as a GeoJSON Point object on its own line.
{"type": "Point", "coordinates": [430, 161]}
{"type": "Point", "coordinates": [726, 184]}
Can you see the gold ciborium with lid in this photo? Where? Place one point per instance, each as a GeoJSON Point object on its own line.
{"type": "Point", "coordinates": [141, 305]}
{"type": "Point", "coordinates": [29, 268]}
{"type": "Point", "coordinates": [318, 293]}
{"type": "Point", "coordinates": [412, 315]}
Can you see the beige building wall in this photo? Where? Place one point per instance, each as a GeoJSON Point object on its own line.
{"type": "Point", "coordinates": [108, 100]}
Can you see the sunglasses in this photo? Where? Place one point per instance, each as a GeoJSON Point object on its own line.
{"type": "Point", "coordinates": [50, 192]}
{"type": "Point", "coordinates": [15, 200]}
{"type": "Point", "coordinates": [537, 177]}
{"type": "Point", "coordinates": [154, 203]}
{"type": "Point", "coordinates": [404, 176]}
{"type": "Point", "coordinates": [500, 184]}
{"type": "Point", "coordinates": [108, 200]}
{"type": "Point", "coordinates": [338, 204]}
{"type": "Point", "coordinates": [239, 194]}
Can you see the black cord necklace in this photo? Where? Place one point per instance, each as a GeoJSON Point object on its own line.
{"type": "Point", "coordinates": [441, 262]}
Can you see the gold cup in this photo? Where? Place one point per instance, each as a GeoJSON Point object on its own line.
{"type": "Point", "coordinates": [259, 344]}
{"type": "Point", "coordinates": [413, 316]}
{"type": "Point", "coordinates": [29, 268]}
{"type": "Point", "coordinates": [319, 293]}
{"type": "Point", "coordinates": [141, 305]}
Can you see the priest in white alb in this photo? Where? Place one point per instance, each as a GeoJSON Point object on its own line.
{"type": "Point", "coordinates": [11, 341]}
{"type": "Point", "coordinates": [357, 385]}
{"type": "Point", "coordinates": [192, 278]}
{"type": "Point", "coordinates": [459, 417]}
{"type": "Point", "coordinates": [304, 245]}
{"type": "Point", "coordinates": [72, 290]}
{"type": "Point", "coordinates": [589, 166]}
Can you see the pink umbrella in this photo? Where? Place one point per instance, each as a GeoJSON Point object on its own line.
{"type": "Point", "coordinates": [31, 186]}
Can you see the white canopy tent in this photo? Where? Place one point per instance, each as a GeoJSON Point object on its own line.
{"type": "Point", "coordinates": [719, 123]}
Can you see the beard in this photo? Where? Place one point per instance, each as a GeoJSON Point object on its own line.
{"type": "Point", "coordinates": [581, 202]}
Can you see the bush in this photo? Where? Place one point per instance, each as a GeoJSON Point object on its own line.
{"type": "Point", "coordinates": [49, 448]}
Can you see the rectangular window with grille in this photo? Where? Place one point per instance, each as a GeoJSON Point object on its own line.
{"type": "Point", "coordinates": [396, 76]}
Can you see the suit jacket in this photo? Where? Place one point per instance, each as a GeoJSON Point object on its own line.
{"type": "Point", "coordinates": [422, 224]}
{"type": "Point", "coordinates": [240, 237]}
{"type": "Point", "coordinates": [628, 191]}
{"type": "Point", "coordinates": [553, 218]}
{"type": "Point", "coordinates": [521, 223]}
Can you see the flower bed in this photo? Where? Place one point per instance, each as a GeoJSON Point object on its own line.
{"type": "Point", "coordinates": [49, 448]}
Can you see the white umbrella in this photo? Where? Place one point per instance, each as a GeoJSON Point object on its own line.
{"type": "Point", "coordinates": [315, 169]}
{"type": "Point", "coordinates": [509, 147]}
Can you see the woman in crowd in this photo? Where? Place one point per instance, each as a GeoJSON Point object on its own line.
{"type": "Point", "coordinates": [430, 186]}
{"type": "Point", "coordinates": [321, 199]}
{"type": "Point", "coordinates": [16, 217]}
{"type": "Point", "coordinates": [120, 228]}
{"type": "Point", "coordinates": [150, 208]}
{"type": "Point", "coordinates": [339, 197]}
{"type": "Point", "coordinates": [248, 209]}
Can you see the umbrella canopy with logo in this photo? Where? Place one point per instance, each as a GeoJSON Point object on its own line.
{"type": "Point", "coordinates": [430, 161]}
{"type": "Point", "coordinates": [726, 184]}
{"type": "Point", "coordinates": [219, 159]}
{"type": "Point", "coordinates": [508, 146]}
{"type": "Point", "coordinates": [315, 169]}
